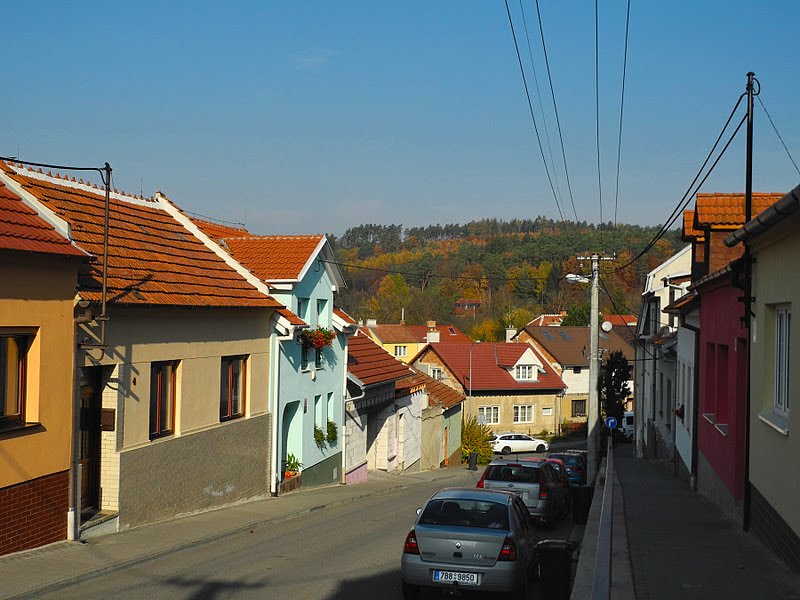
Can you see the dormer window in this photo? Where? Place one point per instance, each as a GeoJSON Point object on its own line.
{"type": "Point", "coordinates": [524, 373]}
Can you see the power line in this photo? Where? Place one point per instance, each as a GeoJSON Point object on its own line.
{"type": "Point", "coordinates": [431, 275]}
{"type": "Point", "coordinates": [555, 110]}
{"type": "Point", "coordinates": [686, 198]}
{"type": "Point", "coordinates": [775, 129]}
{"type": "Point", "coordinates": [597, 102]}
{"type": "Point", "coordinates": [530, 108]}
{"type": "Point", "coordinates": [621, 106]}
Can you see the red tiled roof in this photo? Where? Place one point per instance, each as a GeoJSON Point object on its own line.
{"type": "Point", "coordinates": [218, 231]}
{"type": "Point", "coordinates": [344, 316]}
{"type": "Point", "coordinates": [21, 228]}
{"type": "Point", "coordinates": [490, 364]}
{"type": "Point", "coordinates": [371, 364]}
{"type": "Point", "coordinates": [394, 334]}
{"type": "Point", "coordinates": [292, 318]}
{"type": "Point", "coordinates": [689, 231]}
{"type": "Point", "coordinates": [413, 380]}
{"type": "Point", "coordinates": [617, 320]}
{"type": "Point", "coordinates": [549, 320]}
{"type": "Point", "coordinates": [152, 259]}
{"type": "Point", "coordinates": [274, 257]}
{"type": "Point", "coordinates": [447, 333]}
{"type": "Point", "coordinates": [727, 210]}
{"type": "Point", "coordinates": [570, 345]}
{"type": "Point", "coordinates": [440, 393]}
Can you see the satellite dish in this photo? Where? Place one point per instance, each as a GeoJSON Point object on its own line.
{"type": "Point", "coordinates": [606, 326]}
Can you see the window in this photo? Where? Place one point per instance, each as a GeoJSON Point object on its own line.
{"type": "Point", "coordinates": [547, 411]}
{"type": "Point", "coordinates": [162, 398]}
{"type": "Point", "coordinates": [400, 350]}
{"type": "Point", "coordinates": [524, 372]}
{"type": "Point", "coordinates": [523, 413]}
{"type": "Point", "coordinates": [579, 408]}
{"type": "Point", "coordinates": [302, 309]}
{"type": "Point", "coordinates": [318, 358]}
{"type": "Point", "coordinates": [322, 313]}
{"type": "Point", "coordinates": [577, 370]}
{"type": "Point", "coordinates": [318, 411]}
{"type": "Point", "coordinates": [331, 415]}
{"type": "Point", "coordinates": [436, 373]}
{"type": "Point", "coordinates": [490, 414]}
{"type": "Point", "coordinates": [233, 379]}
{"type": "Point", "coordinates": [13, 372]}
{"type": "Point", "coordinates": [783, 328]}
{"type": "Point", "coordinates": [304, 357]}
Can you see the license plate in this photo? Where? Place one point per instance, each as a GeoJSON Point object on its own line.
{"type": "Point", "coordinates": [455, 577]}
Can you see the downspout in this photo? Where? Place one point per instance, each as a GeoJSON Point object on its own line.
{"type": "Point", "coordinates": [274, 401]}
{"type": "Point", "coordinates": [73, 512]}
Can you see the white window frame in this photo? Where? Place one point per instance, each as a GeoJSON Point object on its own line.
{"type": "Point", "coordinates": [530, 413]}
{"type": "Point", "coordinates": [524, 373]}
{"type": "Point", "coordinates": [401, 351]}
{"type": "Point", "coordinates": [436, 373]}
{"type": "Point", "coordinates": [783, 331]}
{"type": "Point", "coordinates": [547, 411]}
{"type": "Point", "coordinates": [488, 411]}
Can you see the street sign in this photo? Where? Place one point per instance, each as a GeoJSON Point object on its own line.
{"type": "Point", "coordinates": [481, 419]}
{"type": "Point", "coordinates": [611, 422]}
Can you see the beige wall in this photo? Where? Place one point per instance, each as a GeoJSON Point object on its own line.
{"type": "Point", "coordinates": [37, 293]}
{"type": "Point", "coordinates": [506, 404]}
{"type": "Point", "coordinates": [198, 338]}
{"type": "Point", "coordinates": [770, 450]}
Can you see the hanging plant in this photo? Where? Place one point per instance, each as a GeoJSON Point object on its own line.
{"type": "Point", "coordinates": [333, 433]}
{"type": "Point", "coordinates": [319, 437]}
{"type": "Point", "coordinates": [317, 338]}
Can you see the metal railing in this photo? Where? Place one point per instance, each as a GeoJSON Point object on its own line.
{"type": "Point", "coordinates": [601, 584]}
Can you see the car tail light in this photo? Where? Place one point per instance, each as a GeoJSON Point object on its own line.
{"type": "Point", "coordinates": [543, 492]}
{"type": "Point", "coordinates": [410, 546]}
{"type": "Point", "coordinates": [480, 481]}
{"type": "Point", "coordinates": [509, 550]}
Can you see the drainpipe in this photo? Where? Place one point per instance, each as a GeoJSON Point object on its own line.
{"type": "Point", "coordinates": [73, 512]}
{"type": "Point", "coordinates": [275, 402]}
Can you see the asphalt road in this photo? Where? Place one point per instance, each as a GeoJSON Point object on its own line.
{"type": "Point", "coordinates": [346, 552]}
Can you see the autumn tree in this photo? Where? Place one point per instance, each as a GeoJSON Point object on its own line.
{"type": "Point", "coordinates": [392, 296]}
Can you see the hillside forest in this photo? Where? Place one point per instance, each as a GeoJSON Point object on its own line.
{"type": "Point", "coordinates": [516, 269]}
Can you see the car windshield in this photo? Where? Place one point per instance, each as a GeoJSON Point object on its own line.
{"type": "Point", "coordinates": [465, 513]}
{"type": "Point", "coordinates": [514, 473]}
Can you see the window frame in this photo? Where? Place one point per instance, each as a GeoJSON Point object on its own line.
{"type": "Point", "coordinates": [437, 373]}
{"type": "Point", "coordinates": [572, 408]}
{"type": "Point", "coordinates": [400, 351]}
{"type": "Point", "coordinates": [529, 409]}
{"type": "Point", "coordinates": [493, 408]}
{"type": "Point", "coordinates": [159, 431]}
{"type": "Point", "coordinates": [16, 418]}
{"type": "Point", "coordinates": [231, 360]}
{"type": "Point", "coordinates": [520, 370]}
{"type": "Point", "coordinates": [782, 348]}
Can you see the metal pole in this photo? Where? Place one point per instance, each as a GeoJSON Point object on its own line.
{"type": "Point", "coordinates": [471, 413]}
{"type": "Point", "coordinates": [593, 412]}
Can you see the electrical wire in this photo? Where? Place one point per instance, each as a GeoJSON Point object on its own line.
{"type": "Point", "coordinates": [597, 104]}
{"type": "Point", "coordinates": [619, 312]}
{"type": "Point", "coordinates": [775, 129]}
{"type": "Point", "coordinates": [621, 107]}
{"type": "Point", "coordinates": [530, 108]}
{"type": "Point", "coordinates": [555, 110]}
{"type": "Point", "coordinates": [411, 274]}
{"type": "Point", "coordinates": [686, 198]}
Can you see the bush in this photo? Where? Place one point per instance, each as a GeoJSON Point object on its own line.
{"type": "Point", "coordinates": [333, 433]}
{"type": "Point", "coordinates": [319, 437]}
{"type": "Point", "coordinates": [475, 438]}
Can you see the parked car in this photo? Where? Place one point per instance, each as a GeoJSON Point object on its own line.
{"type": "Point", "coordinates": [626, 427]}
{"type": "Point", "coordinates": [506, 443]}
{"type": "Point", "coordinates": [476, 539]}
{"type": "Point", "coordinates": [575, 465]}
{"type": "Point", "coordinates": [535, 481]}
{"type": "Point", "coordinates": [561, 469]}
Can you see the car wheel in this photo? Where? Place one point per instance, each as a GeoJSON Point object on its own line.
{"type": "Point", "coordinates": [410, 591]}
{"type": "Point", "coordinates": [540, 448]}
{"type": "Point", "coordinates": [506, 450]}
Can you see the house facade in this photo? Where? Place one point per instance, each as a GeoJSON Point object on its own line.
{"type": "Point", "coordinates": [404, 342]}
{"type": "Point", "coordinates": [772, 511]}
{"type": "Point", "coordinates": [39, 266]}
{"type": "Point", "coordinates": [508, 386]}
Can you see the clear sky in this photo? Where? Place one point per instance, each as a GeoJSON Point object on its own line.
{"type": "Point", "coordinates": [311, 117]}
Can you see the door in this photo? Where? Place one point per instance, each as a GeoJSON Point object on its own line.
{"type": "Point", "coordinates": [89, 423]}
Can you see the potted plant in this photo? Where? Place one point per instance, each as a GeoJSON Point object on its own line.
{"type": "Point", "coordinates": [319, 437]}
{"type": "Point", "coordinates": [333, 433]}
{"type": "Point", "coordinates": [317, 338]}
{"type": "Point", "coordinates": [293, 466]}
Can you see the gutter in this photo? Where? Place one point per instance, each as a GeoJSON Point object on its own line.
{"type": "Point", "coordinates": [766, 219]}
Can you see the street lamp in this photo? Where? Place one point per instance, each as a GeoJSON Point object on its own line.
{"type": "Point", "coordinates": [471, 408]}
{"type": "Point", "coordinates": [592, 411]}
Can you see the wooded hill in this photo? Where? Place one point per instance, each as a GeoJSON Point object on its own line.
{"type": "Point", "coordinates": [515, 268]}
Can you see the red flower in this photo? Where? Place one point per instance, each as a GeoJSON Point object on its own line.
{"type": "Point", "coordinates": [318, 338]}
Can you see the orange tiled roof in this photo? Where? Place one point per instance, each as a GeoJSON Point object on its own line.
{"type": "Point", "coordinates": [394, 333]}
{"type": "Point", "coordinates": [725, 211]}
{"type": "Point", "coordinates": [21, 228]}
{"type": "Point", "coordinates": [371, 364]}
{"type": "Point", "coordinates": [274, 257]}
{"type": "Point", "coordinates": [689, 231]}
{"type": "Point", "coordinates": [344, 316]}
{"type": "Point", "coordinates": [440, 393]}
{"type": "Point", "coordinates": [152, 259]}
{"type": "Point", "coordinates": [447, 333]}
{"type": "Point", "coordinates": [218, 231]}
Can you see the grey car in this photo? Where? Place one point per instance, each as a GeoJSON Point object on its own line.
{"type": "Point", "coordinates": [472, 539]}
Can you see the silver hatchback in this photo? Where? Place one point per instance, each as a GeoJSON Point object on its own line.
{"type": "Point", "coordinates": [481, 540]}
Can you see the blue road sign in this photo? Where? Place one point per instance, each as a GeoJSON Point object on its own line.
{"type": "Point", "coordinates": [611, 422]}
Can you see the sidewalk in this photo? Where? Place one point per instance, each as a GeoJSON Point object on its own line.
{"type": "Point", "coordinates": [681, 546]}
{"type": "Point", "coordinates": [27, 574]}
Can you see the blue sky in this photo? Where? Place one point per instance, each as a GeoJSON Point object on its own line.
{"type": "Point", "coordinates": [311, 117]}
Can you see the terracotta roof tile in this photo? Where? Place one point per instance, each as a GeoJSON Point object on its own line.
{"type": "Point", "coordinates": [447, 333]}
{"type": "Point", "coordinates": [621, 320]}
{"type": "Point", "coordinates": [438, 392]}
{"type": "Point", "coordinates": [218, 231]}
{"type": "Point", "coordinates": [371, 364]}
{"type": "Point", "coordinates": [726, 211]}
{"type": "Point", "coordinates": [344, 316]}
{"type": "Point", "coordinates": [274, 257]}
{"type": "Point", "coordinates": [21, 228]}
{"type": "Point", "coordinates": [393, 334]}
{"type": "Point", "coordinates": [570, 345]}
{"type": "Point", "coordinates": [152, 259]}
{"type": "Point", "coordinates": [490, 364]}
{"type": "Point", "coordinates": [689, 231]}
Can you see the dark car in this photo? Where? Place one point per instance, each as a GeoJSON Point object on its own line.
{"type": "Point", "coordinates": [575, 464]}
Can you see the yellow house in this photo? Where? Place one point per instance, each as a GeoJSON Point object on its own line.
{"type": "Point", "coordinates": [404, 342]}
{"type": "Point", "coordinates": [39, 268]}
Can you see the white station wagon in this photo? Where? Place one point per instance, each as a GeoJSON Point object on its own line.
{"type": "Point", "coordinates": [506, 443]}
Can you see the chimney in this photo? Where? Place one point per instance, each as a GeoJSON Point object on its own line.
{"type": "Point", "coordinates": [510, 333]}
{"type": "Point", "coordinates": [372, 322]}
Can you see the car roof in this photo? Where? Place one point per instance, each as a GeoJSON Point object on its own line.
{"type": "Point", "coordinates": [527, 461]}
{"type": "Point", "coordinates": [470, 493]}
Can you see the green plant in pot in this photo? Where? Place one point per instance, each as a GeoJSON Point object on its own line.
{"type": "Point", "coordinates": [293, 466]}
{"type": "Point", "coordinates": [333, 433]}
{"type": "Point", "coordinates": [319, 437]}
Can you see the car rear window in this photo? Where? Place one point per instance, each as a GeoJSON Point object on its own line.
{"type": "Point", "coordinates": [513, 473]}
{"type": "Point", "coordinates": [569, 459]}
{"type": "Point", "coordinates": [465, 513]}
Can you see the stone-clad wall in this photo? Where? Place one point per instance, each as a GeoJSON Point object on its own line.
{"type": "Point", "coordinates": [34, 513]}
{"type": "Point", "coordinates": [193, 472]}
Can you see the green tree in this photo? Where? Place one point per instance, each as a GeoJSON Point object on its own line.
{"type": "Point", "coordinates": [578, 314]}
{"type": "Point", "coordinates": [392, 296]}
{"type": "Point", "coordinates": [476, 438]}
{"type": "Point", "coordinates": [612, 385]}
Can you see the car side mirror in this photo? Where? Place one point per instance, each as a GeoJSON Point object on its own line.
{"type": "Point", "coordinates": [419, 510]}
